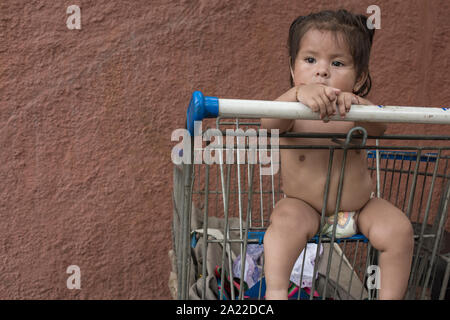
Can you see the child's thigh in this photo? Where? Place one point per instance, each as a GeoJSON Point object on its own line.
{"type": "Point", "coordinates": [380, 221]}
{"type": "Point", "coordinates": [295, 214]}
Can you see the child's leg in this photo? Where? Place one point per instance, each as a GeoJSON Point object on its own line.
{"type": "Point", "coordinates": [292, 223]}
{"type": "Point", "coordinates": [389, 231]}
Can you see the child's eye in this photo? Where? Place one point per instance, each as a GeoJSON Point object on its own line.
{"type": "Point", "coordinates": [337, 64]}
{"type": "Point", "coordinates": [310, 60]}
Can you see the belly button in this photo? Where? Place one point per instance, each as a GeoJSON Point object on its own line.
{"type": "Point", "coordinates": [301, 158]}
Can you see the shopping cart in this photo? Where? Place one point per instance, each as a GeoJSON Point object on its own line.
{"type": "Point", "coordinates": [222, 208]}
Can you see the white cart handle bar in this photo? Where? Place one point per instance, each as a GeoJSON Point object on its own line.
{"type": "Point", "coordinates": [201, 107]}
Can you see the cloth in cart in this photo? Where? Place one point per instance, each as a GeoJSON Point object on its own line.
{"type": "Point", "coordinates": [308, 269]}
{"type": "Point", "coordinates": [341, 279]}
{"type": "Point", "coordinates": [253, 265]}
{"type": "Point", "coordinates": [214, 253]}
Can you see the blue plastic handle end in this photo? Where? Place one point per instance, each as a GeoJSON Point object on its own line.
{"type": "Point", "coordinates": [201, 107]}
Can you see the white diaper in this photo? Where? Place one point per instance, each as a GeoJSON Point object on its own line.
{"type": "Point", "coordinates": [345, 227]}
{"type": "Point", "coordinates": [346, 224]}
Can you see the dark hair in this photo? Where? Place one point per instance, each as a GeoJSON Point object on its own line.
{"type": "Point", "coordinates": [354, 30]}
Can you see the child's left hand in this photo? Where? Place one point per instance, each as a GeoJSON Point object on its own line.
{"type": "Point", "coordinates": [344, 102]}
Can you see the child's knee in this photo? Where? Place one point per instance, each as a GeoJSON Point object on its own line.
{"type": "Point", "coordinates": [400, 226]}
{"type": "Point", "coordinates": [404, 231]}
{"type": "Point", "coordinates": [283, 217]}
{"type": "Point", "coordinates": [406, 227]}
{"type": "Point", "coordinates": [400, 234]}
{"type": "Point", "coordinates": [294, 219]}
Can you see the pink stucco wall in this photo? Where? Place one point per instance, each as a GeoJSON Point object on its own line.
{"type": "Point", "coordinates": [86, 120]}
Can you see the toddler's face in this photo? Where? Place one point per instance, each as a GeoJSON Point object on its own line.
{"type": "Point", "coordinates": [323, 59]}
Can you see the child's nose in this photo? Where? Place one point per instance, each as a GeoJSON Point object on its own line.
{"type": "Point", "coordinates": [322, 72]}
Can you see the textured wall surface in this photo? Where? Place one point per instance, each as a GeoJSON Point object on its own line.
{"type": "Point", "coordinates": [86, 118]}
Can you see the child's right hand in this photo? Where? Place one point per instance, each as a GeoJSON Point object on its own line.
{"type": "Point", "coordinates": [319, 98]}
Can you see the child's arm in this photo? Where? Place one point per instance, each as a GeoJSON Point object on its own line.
{"type": "Point", "coordinates": [373, 128]}
{"type": "Point", "coordinates": [284, 125]}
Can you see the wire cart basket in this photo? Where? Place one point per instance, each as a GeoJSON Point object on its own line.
{"type": "Point", "coordinates": [222, 209]}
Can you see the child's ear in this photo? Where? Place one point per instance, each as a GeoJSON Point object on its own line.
{"type": "Point", "coordinates": [360, 81]}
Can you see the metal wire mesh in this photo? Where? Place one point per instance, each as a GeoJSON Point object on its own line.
{"type": "Point", "coordinates": [413, 178]}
